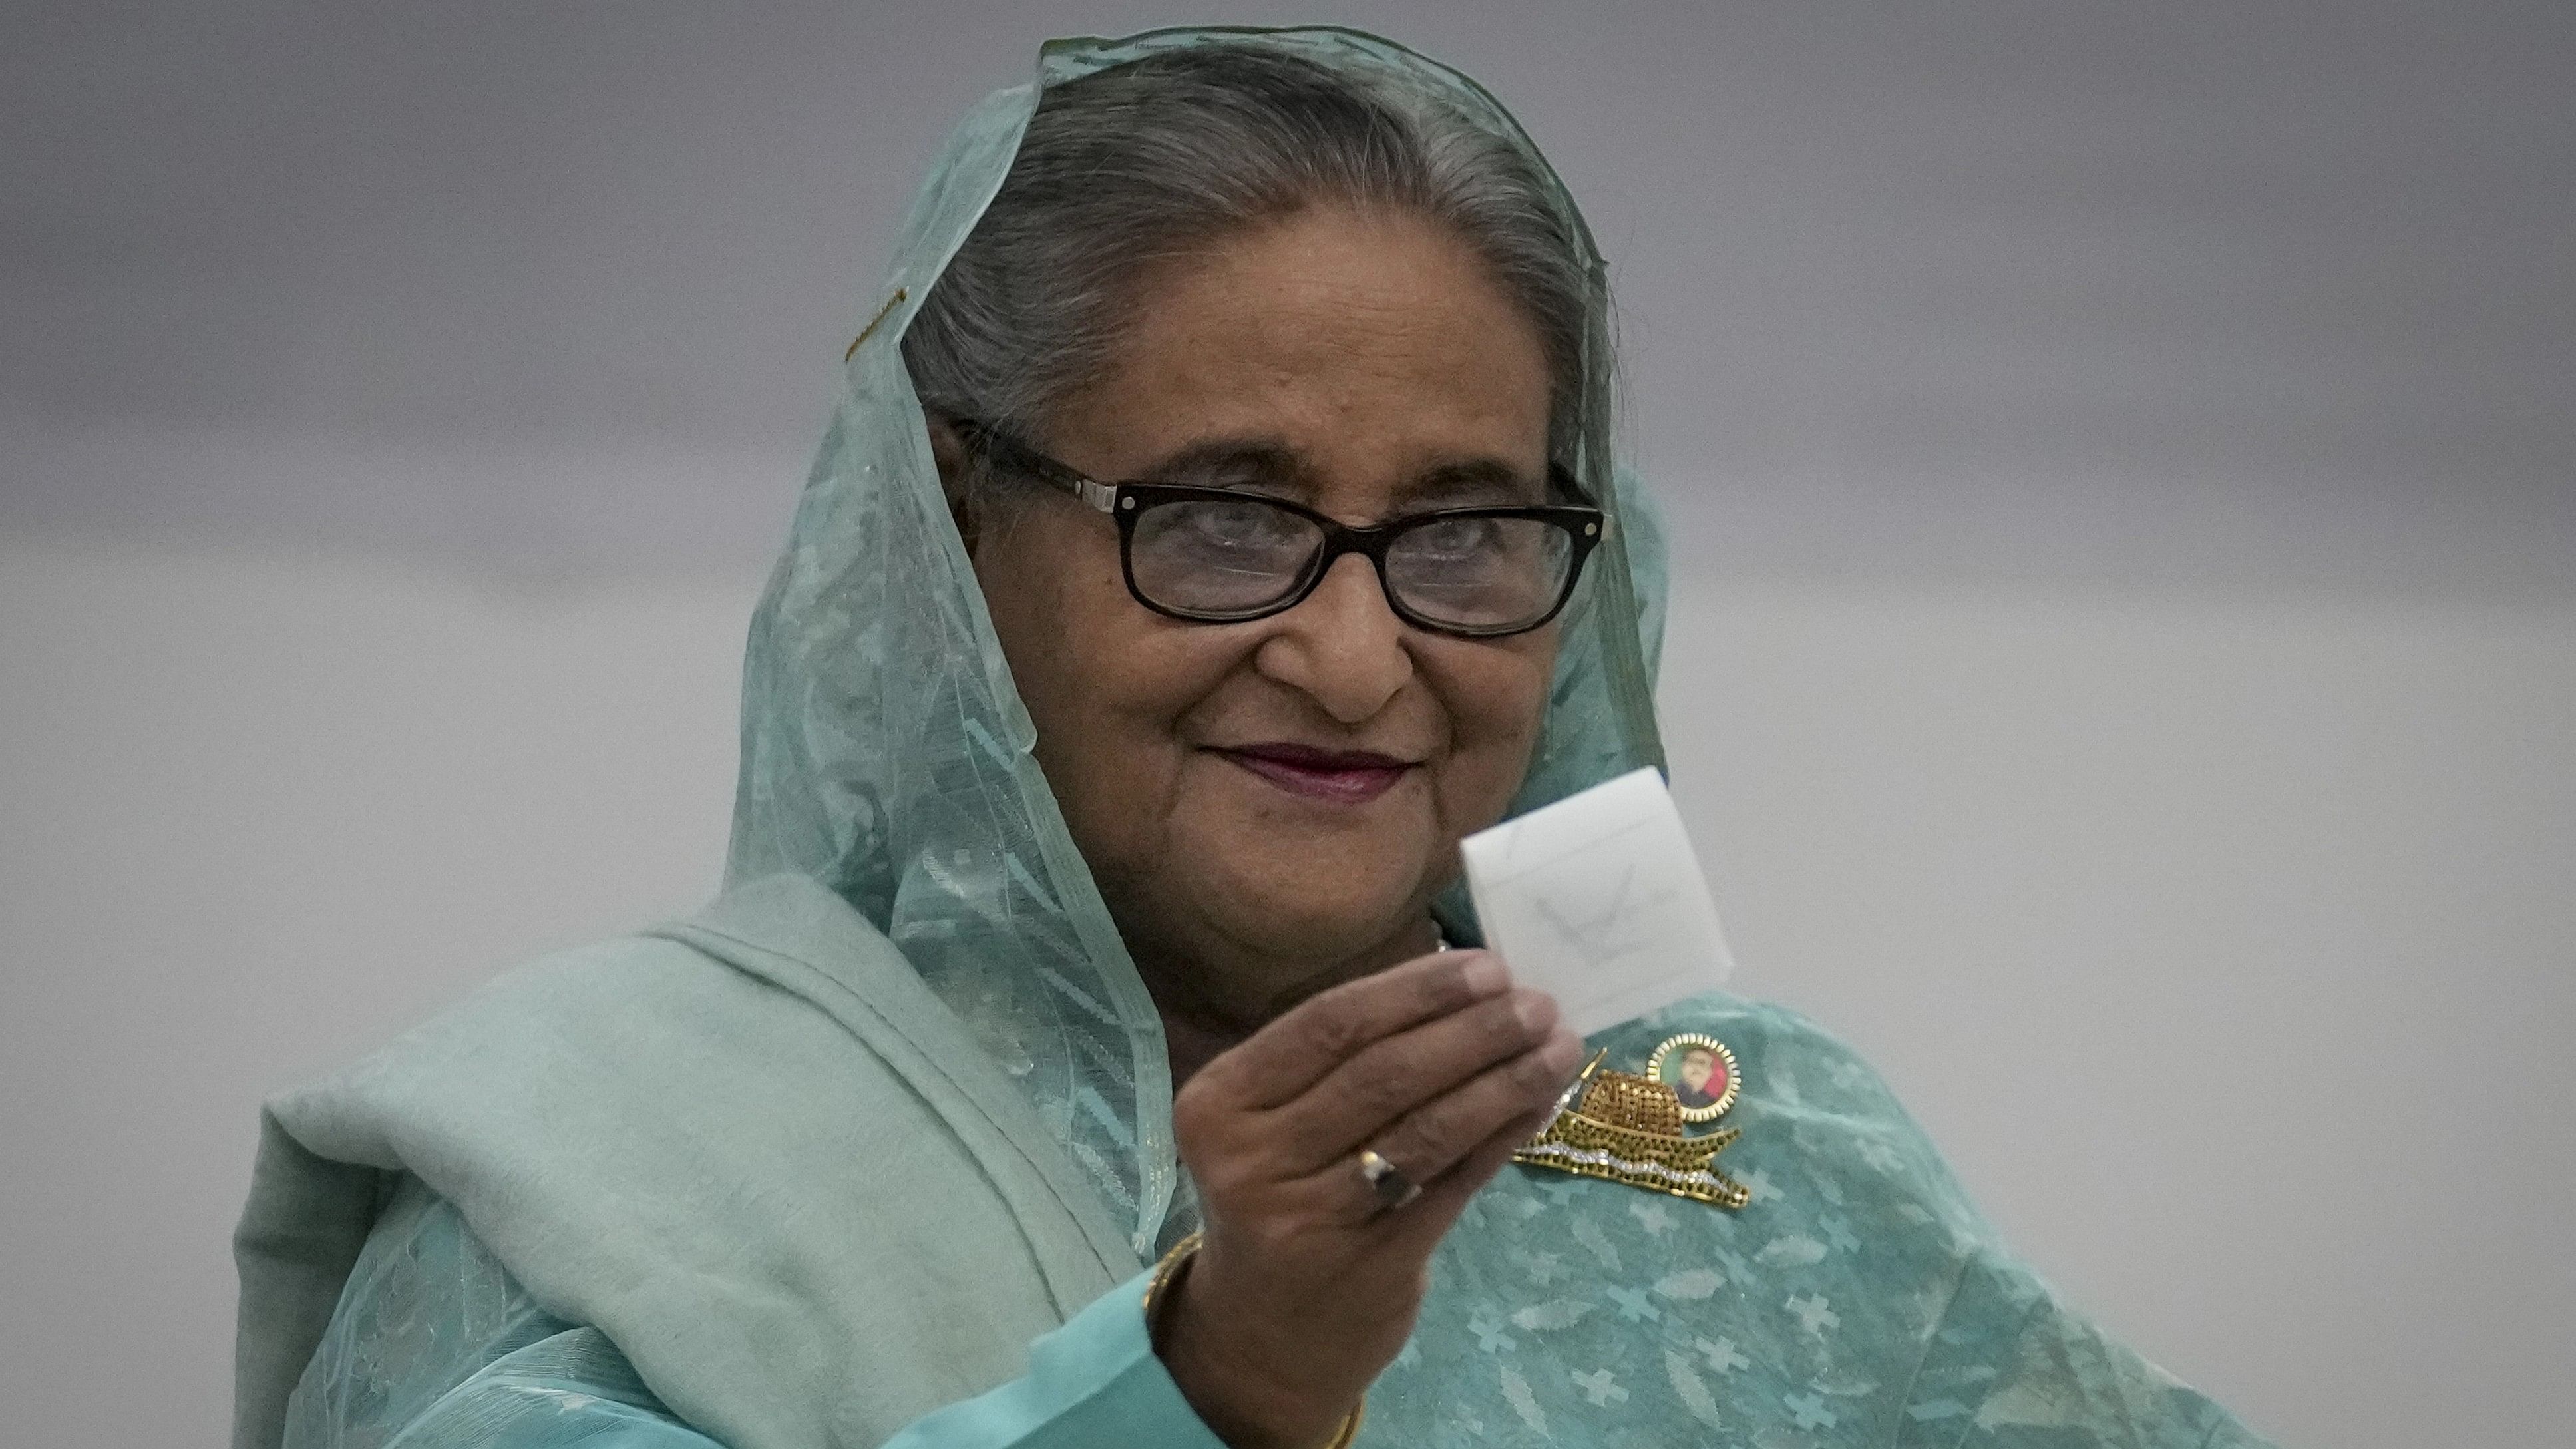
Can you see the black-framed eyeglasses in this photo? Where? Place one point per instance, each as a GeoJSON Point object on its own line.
{"type": "Point", "coordinates": [1224, 556]}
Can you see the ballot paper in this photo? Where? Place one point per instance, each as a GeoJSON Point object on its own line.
{"type": "Point", "coordinates": [1598, 900]}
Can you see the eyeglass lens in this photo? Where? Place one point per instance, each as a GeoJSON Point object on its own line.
{"type": "Point", "coordinates": [1241, 556]}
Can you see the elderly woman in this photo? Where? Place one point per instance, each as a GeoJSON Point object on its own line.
{"type": "Point", "coordinates": [1219, 523]}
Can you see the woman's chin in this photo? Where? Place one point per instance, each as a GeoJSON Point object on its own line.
{"type": "Point", "coordinates": [1312, 891]}
{"type": "Point", "coordinates": [1329, 923]}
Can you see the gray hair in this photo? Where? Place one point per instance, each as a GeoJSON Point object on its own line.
{"type": "Point", "coordinates": [1162, 157]}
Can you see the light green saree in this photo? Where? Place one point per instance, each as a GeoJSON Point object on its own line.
{"type": "Point", "coordinates": [829, 1156]}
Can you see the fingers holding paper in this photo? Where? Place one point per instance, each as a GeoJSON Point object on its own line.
{"type": "Point", "coordinates": [1420, 1064]}
{"type": "Point", "coordinates": [1316, 1254]}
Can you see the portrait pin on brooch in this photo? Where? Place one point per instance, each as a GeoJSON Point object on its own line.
{"type": "Point", "coordinates": [1626, 1127]}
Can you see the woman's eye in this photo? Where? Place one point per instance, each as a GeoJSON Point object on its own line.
{"type": "Point", "coordinates": [1234, 531]}
{"type": "Point", "coordinates": [1454, 538]}
{"type": "Point", "coordinates": [1236, 521]}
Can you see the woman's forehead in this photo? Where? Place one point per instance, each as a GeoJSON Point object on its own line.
{"type": "Point", "coordinates": [1329, 352]}
{"type": "Point", "coordinates": [1276, 464]}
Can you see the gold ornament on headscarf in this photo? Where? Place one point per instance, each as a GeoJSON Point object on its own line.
{"type": "Point", "coordinates": [900, 293]}
{"type": "Point", "coordinates": [1627, 1128]}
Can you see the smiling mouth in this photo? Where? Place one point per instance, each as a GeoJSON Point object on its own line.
{"type": "Point", "coordinates": [1346, 777]}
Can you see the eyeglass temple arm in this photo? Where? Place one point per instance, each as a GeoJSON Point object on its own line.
{"type": "Point", "coordinates": [1010, 452]}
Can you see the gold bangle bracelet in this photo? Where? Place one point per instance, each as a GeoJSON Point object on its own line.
{"type": "Point", "coordinates": [1167, 1271]}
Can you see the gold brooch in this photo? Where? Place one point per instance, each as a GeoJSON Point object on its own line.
{"type": "Point", "coordinates": [1628, 1128]}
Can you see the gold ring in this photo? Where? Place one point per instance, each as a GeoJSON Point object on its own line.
{"type": "Point", "coordinates": [1388, 1181]}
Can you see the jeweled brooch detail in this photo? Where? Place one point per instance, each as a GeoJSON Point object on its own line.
{"type": "Point", "coordinates": [1701, 1072]}
{"type": "Point", "coordinates": [1623, 1127]}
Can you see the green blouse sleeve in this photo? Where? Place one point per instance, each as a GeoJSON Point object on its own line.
{"type": "Point", "coordinates": [435, 1346]}
{"type": "Point", "coordinates": [1092, 1384]}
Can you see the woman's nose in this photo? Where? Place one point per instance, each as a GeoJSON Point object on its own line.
{"type": "Point", "coordinates": [1342, 646]}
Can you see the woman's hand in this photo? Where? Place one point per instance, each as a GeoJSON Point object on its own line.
{"type": "Point", "coordinates": [1307, 1284]}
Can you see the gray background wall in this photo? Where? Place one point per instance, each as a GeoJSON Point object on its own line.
{"type": "Point", "coordinates": [2122, 666]}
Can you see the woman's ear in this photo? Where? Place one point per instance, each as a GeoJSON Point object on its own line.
{"type": "Point", "coordinates": [948, 451]}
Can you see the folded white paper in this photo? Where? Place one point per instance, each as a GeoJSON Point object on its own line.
{"type": "Point", "coordinates": [1598, 900]}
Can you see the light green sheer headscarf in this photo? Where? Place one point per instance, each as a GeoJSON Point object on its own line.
{"type": "Point", "coordinates": [886, 754]}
